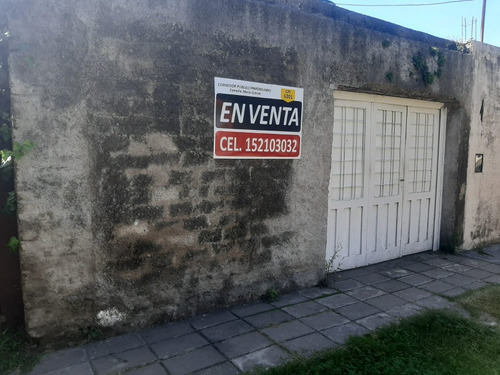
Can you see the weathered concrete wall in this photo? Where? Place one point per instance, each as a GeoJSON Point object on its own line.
{"type": "Point", "coordinates": [482, 221]}
{"type": "Point", "coordinates": [125, 217]}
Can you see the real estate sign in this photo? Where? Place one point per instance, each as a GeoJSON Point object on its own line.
{"type": "Point", "coordinates": [257, 120]}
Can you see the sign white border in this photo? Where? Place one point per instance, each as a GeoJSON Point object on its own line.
{"type": "Point", "coordinates": [255, 90]}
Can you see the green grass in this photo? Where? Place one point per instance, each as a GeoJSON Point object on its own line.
{"type": "Point", "coordinates": [434, 343]}
{"type": "Point", "coordinates": [483, 303]}
{"type": "Point", "coordinates": [15, 352]}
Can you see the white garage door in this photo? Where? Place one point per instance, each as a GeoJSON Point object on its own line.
{"type": "Point", "coordinates": [385, 183]}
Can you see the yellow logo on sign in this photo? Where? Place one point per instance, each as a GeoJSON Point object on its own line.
{"type": "Point", "coordinates": [288, 95]}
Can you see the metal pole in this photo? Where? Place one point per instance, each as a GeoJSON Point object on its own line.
{"type": "Point", "coordinates": [482, 21]}
{"type": "Point", "coordinates": [465, 30]}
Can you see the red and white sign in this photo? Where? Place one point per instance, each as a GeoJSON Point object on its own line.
{"type": "Point", "coordinates": [257, 120]}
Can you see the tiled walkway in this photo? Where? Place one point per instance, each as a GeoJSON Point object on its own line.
{"type": "Point", "coordinates": [267, 334]}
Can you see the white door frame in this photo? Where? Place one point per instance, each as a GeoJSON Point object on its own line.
{"type": "Point", "coordinates": [359, 237]}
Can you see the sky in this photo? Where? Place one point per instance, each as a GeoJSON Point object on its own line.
{"type": "Point", "coordinates": [443, 20]}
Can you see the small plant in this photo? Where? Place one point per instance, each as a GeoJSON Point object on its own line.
{"type": "Point", "coordinates": [452, 246]}
{"type": "Point", "coordinates": [16, 352]}
{"type": "Point", "coordinates": [433, 51]}
{"type": "Point", "coordinates": [458, 46]}
{"type": "Point", "coordinates": [330, 265]}
{"type": "Point", "coordinates": [389, 76]}
{"type": "Point", "coordinates": [5, 133]}
{"type": "Point", "coordinates": [10, 204]}
{"type": "Point", "coordinates": [19, 150]}
{"type": "Point", "coordinates": [272, 295]}
{"type": "Point", "coordinates": [386, 43]}
{"type": "Point", "coordinates": [420, 65]}
{"type": "Point", "coordinates": [479, 247]}
{"type": "Point", "coordinates": [92, 333]}
{"type": "Point", "coordinates": [13, 245]}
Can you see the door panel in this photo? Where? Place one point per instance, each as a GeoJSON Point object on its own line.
{"type": "Point", "coordinates": [347, 217]}
{"type": "Point", "coordinates": [420, 179]}
{"type": "Point", "coordinates": [386, 154]}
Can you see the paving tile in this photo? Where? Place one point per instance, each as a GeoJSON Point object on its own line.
{"type": "Point", "coordinates": [391, 286]}
{"type": "Point", "coordinates": [226, 330]}
{"type": "Point", "coordinates": [287, 331]}
{"type": "Point", "coordinates": [396, 273]}
{"type": "Point", "coordinates": [341, 334]}
{"type": "Point", "coordinates": [267, 318]}
{"type": "Point", "coordinates": [309, 344]}
{"type": "Point", "coordinates": [353, 273]}
{"type": "Point", "coordinates": [475, 285]}
{"type": "Point", "coordinates": [416, 279]}
{"type": "Point", "coordinates": [365, 293]}
{"type": "Point", "coordinates": [457, 258]}
{"type": "Point", "coordinates": [493, 268]}
{"type": "Point", "coordinates": [226, 368]}
{"type": "Point", "coordinates": [164, 332]}
{"type": "Point", "coordinates": [386, 301]}
{"type": "Point", "coordinates": [458, 280]}
{"type": "Point", "coordinates": [434, 302]}
{"type": "Point", "coordinates": [304, 309]}
{"type": "Point", "coordinates": [114, 345]}
{"type": "Point", "coordinates": [357, 311]}
{"type": "Point", "coordinates": [456, 267]}
{"type": "Point", "coordinates": [419, 267]}
{"type": "Point", "coordinates": [477, 274]}
{"type": "Point", "coordinates": [375, 321]}
{"type": "Point", "coordinates": [405, 311]}
{"type": "Point", "coordinates": [317, 292]}
{"type": "Point", "coordinates": [251, 309]}
{"type": "Point", "coordinates": [193, 361]}
{"type": "Point", "coordinates": [61, 359]}
{"type": "Point", "coordinates": [244, 344]}
{"type": "Point", "coordinates": [154, 369]}
{"type": "Point", "coordinates": [437, 273]}
{"type": "Point", "coordinates": [412, 294]}
{"type": "Point", "coordinates": [124, 360]}
{"type": "Point", "coordinates": [380, 267]}
{"type": "Point", "coordinates": [181, 344]}
{"type": "Point", "coordinates": [453, 257]}
{"type": "Point", "coordinates": [402, 263]}
{"type": "Point", "coordinates": [419, 257]}
{"type": "Point", "coordinates": [474, 263]}
{"type": "Point", "coordinates": [372, 278]}
{"type": "Point", "coordinates": [79, 369]}
{"type": "Point", "coordinates": [265, 358]}
{"type": "Point", "coordinates": [290, 299]}
{"type": "Point", "coordinates": [495, 279]}
{"type": "Point", "coordinates": [324, 320]}
{"type": "Point", "coordinates": [453, 292]}
{"type": "Point", "coordinates": [212, 319]}
{"type": "Point", "coordinates": [349, 284]}
{"type": "Point", "coordinates": [437, 286]}
{"type": "Point", "coordinates": [337, 300]}
{"type": "Point", "coordinates": [437, 262]}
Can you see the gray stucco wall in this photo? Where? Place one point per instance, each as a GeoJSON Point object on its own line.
{"type": "Point", "coordinates": [482, 222]}
{"type": "Point", "coordinates": [125, 218]}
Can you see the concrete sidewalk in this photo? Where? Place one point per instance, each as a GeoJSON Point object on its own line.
{"type": "Point", "coordinates": [268, 334]}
